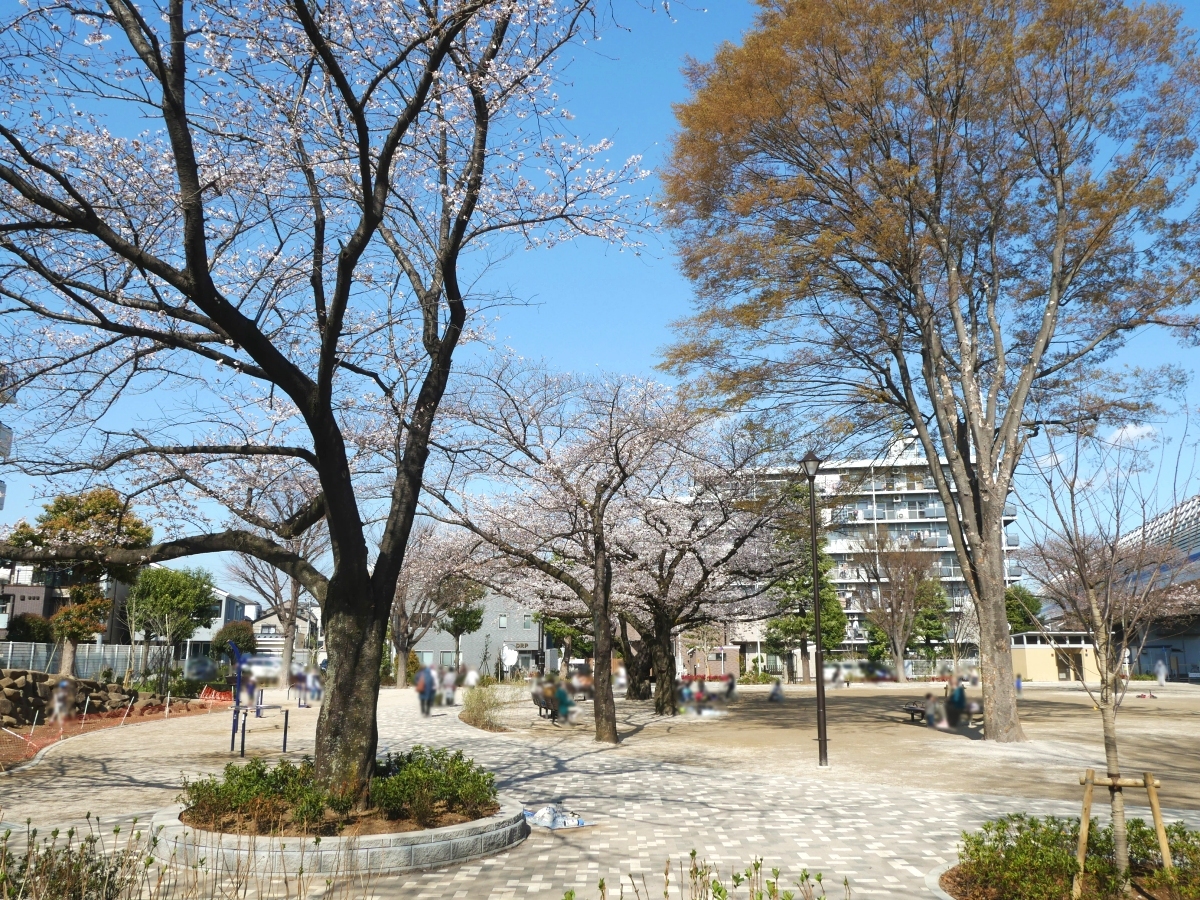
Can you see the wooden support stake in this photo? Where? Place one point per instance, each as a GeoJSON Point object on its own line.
{"type": "Point", "coordinates": [1085, 821]}
{"type": "Point", "coordinates": [1163, 846]}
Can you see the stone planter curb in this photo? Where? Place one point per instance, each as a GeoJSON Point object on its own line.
{"type": "Point", "coordinates": [933, 880]}
{"type": "Point", "coordinates": [376, 854]}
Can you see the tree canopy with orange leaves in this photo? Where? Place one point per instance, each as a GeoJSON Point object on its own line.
{"type": "Point", "coordinates": [933, 216]}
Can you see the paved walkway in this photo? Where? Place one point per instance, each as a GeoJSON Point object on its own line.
{"type": "Point", "coordinates": [884, 839]}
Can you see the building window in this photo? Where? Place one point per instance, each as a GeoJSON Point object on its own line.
{"type": "Point", "coordinates": [268, 629]}
{"type": "Point", "coordinates": [448, 658]}
{"type": "Point", "coordinates": [426, 657]}
{"type": "Point", "coordinates": [504, 621]}
{"type": "Point", "coordinates": [528, 621]}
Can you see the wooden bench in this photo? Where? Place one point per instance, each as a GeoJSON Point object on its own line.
{"type": "Point", "coordinates": [915, 711]}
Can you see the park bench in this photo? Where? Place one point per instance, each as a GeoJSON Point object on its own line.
{"type": "Point", "coordinates": [915, 710]}
{"type": "Point", "coordinates": [544, 704]}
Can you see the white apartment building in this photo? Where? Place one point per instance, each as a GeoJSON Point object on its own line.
{"type": "Point", "coordinates": [864, 502]}
{"type": "Point", "coordinates": [869, 501]}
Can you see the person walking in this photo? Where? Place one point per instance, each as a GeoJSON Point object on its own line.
{"type": "Point", "coordinates": [1160, 669]}
{"type": "Point", "coordinates": [426, 687]}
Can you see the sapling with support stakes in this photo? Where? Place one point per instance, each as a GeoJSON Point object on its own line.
{"type": "Point", "coordinates": [1097, 554]}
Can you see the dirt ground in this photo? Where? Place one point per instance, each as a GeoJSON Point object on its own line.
{"type": "Point", "coordinates": [872, 740]}
{"type": "Point", "coordinates": [18, 745]}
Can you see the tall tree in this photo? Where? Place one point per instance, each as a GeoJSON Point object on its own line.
{"type": "Point", "coordinates": [926, 215]}
{"type": "Point", "coordinates": [284, 256]}
{"type": "Point", "coordinates": [702, 544]}
{"type": "Point", "coordinates": [795, 627]}
{"type": "Point", "coordinates": [95, 519]}
{"type": "Point", "coordinates": [559, 452]}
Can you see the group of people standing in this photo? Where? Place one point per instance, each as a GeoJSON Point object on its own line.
{"type": "Point", "coordinates": [439, 686]}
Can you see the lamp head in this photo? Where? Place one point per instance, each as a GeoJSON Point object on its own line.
{"type": "Point", "coordinates": [810, 464]}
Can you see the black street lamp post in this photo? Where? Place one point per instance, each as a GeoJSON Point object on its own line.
{"type": "Point", "coordinates": [811, 464]}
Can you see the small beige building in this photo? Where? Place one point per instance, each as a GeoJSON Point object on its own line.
{"type": "Point", "coordinates": [1055, 656]}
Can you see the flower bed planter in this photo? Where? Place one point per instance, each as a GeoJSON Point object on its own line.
{"type": "Point", "coordinates": [378, 854]}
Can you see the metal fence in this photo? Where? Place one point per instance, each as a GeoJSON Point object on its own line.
{"type": "Point", "coordinates": [90, 659]}
{"type": "Point", "coordinates": [923, 668]}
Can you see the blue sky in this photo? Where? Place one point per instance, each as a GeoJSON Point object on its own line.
{"type": "Point", "coordinates": [589, 305]}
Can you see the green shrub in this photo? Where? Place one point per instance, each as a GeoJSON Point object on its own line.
{"type": "Point", "coordinates": [416, 784]}
{"type": "Point", "coordinates": [1021, 857]}
{"type": "Point", "coordinates": [267, 798]}
{"type": "Point", "coordinates": [420, 785]}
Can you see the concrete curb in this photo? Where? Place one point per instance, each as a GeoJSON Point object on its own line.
{"type": "Point", "coordinates": [933, 880]}
{"type": "Point", "coordinates": [178, 844]}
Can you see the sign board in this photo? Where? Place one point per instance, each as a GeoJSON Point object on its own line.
{"type": "Point", "coordinates": [6, 437]}
{"type": "Point", "coordinates": [3, 491]}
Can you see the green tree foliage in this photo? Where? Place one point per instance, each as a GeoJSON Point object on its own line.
{"type": "Point", "coordinates": [462, 612]}
{"type": "Point", "coordinates": [240, 634]}
{"type": "Point", "coordinates": [98, 518]}
{"type": "Point", "coordinates": [933, 610]}
{"type": "Point", "coordinates": [572, 640]}
{"type": "Point", "coordinates": [1022, 606]}
{"type": "Point", "coordinates": [172, 603]}
{"type": "Point", "coordinates": [795, 600]}
{"type": "Point", "coordinates": [30, 627]}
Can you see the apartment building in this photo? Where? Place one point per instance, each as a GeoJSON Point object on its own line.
{"type": "Point", "coordinates": [863, 504]}
{"type": "Point", "coordinates": [868, 503]}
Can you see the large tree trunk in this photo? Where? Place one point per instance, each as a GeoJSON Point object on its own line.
{"type": "Point", "coordinates": [604, 707]}
{"type": "Point", "coordinates": [898, 662]}
{"type": "Point", "coordinates": [995, 663]}
{"type": "Point", "coordinates": [637, 665]}
{"type": "Point", "coordinates": [347, 734]}
{"type": "Point", "coordinates": [66, 666]}
{"type": "Point", "coordinates": [663, 648]}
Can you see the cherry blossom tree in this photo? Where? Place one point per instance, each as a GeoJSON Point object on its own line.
{"type": "Point", "coordinates": [701, 545]}
{"type": "Point", "coordinates": [238, 240]}
{"type": "Point", "coordinates": [546, 459]}
{"type": "Point", "coordinates": [608, 495]}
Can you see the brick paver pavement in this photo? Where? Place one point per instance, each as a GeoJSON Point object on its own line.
{"type": "Point", "coordinates": [883, 839]}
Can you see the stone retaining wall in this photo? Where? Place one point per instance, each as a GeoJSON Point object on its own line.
{"type": "Point", "coordinates": [377, 854]}
{"type": "Point", "coordinates": [25, 694]}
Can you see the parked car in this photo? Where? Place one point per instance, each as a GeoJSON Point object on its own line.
{"type": "Point", "coordinates": [200, 668]}
{"type": "Point", "coordinates": [264, 669]}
